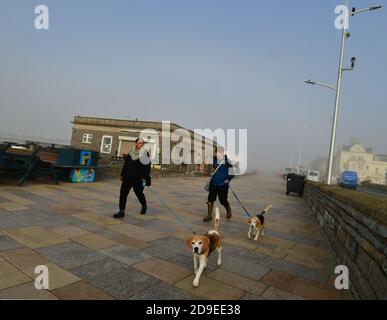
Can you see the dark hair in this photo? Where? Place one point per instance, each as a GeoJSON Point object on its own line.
{"type": "Point", "coordinates": [138, 139]}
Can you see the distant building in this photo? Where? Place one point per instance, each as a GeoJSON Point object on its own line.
{"type": "Point", "coordinates": [362, 160]}
{"type": "Point", "coordinates": [115, 137]}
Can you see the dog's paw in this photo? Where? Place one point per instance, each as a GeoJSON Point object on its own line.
{"type": "Point", "coordinates": [219, 263]}
{"type": "Point", "coordinates": [195, 284]}
{"type": "Point", "coordinates": [249, 237]}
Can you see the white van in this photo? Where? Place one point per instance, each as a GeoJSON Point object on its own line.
{"type": "Point", "coordinates": [313, 175]}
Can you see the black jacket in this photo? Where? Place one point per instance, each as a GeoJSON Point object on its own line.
{"type": "Point", "coordinates": [134, 169]}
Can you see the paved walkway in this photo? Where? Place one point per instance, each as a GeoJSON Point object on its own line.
{"type": "Point", "coordinates": [89, 255]}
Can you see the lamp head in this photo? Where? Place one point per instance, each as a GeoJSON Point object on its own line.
{"type": "Point", "coordinates": [353, 61]}
{"type": "Point", "coordinates": [310, 82]}
{"type": "Point", "coordinates": [375, 8]}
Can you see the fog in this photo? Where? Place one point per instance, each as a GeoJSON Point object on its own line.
{"type": "Point", "coordinates": [206, 64]}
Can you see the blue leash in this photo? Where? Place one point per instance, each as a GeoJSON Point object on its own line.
{"type": "Point", "coordinates": [171, 211]}
{"type": "Point", "coordinates": [240, 203]}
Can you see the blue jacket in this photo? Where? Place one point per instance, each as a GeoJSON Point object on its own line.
{"type": "Point", "coordinates": [221, 174]}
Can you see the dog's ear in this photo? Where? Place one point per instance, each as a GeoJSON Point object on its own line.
{"type": "Point", "coordinates": [249, 221]}
{"type": "Point", "coordinates": [206, 244]}
{"type": "Point", "coordinates": [188, 242]}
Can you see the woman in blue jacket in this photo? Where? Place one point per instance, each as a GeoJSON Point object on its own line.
{"type": "Point", "coordinates": [219, 184]}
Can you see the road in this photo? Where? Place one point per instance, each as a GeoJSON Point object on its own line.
{"type": "Point", "coordinates": [373, 192]}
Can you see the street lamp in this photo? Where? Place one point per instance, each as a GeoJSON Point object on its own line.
{"type": "Point", "coordinates": [314, 83]}
{"type": "Point", "coordinates": [337, 88]}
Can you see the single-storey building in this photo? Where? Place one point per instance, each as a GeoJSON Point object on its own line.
{"type": "Point", "coordinates": [114, 138]}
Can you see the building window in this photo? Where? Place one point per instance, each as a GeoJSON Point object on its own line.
{"type": "Point", "coordinates": [87, 137]}
{"type": "Point", "coordinates": [106, 145]}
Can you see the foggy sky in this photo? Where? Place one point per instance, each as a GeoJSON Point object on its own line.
{"type": "Point", "coordinates": [201, 64]}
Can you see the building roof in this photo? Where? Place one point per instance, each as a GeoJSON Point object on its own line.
{"type": "Point", "coordinates": [382, 158]}
{"type": "Point", "coordinates": [348, 148]}
{"type": "Point", "coordinates": [123, 123]}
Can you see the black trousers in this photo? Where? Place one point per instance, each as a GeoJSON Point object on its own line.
{"type": "Point", "coordinates": [221, 193]}
{"type": "Point", "coordinates": [138, 189]}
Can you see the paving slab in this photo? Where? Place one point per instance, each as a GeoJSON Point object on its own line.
{"type": "Point", "coordinates": [163, 270]}
{"type": "Point", "coordinates": [26, 291]}
{"type": "Point", "coordinates": [69, 231]}
{"type": "Point", "coordinates": [249, 296]}
{"type": "Point", "coordinates": [94, 241]}
{"type": "Point", "coordinates": [11, 276]}
{"type": "Point", "coordinates": [244, 268]}
{"type": "Point", "coordinates": [35, 237]}
{"type": "Point", "coordinates": [97, 219]}
{"type": "Point", "coordinates": [163, 291]}
{"type": "Point", "coordinates": [16, 198]}
{"type": "Point", "coordinates": [137, 232]}
{"type": "Point", "coordinates": [295, 268]}
{"type": "Point", "coordinates": [300, 286]}
{"type": "Point", "coordinates": [159, 252]}
{"type": "Point", "coordinates": [132, 242]}
{"type": "Point", "coordinates": [238, 281]}
{"type": "Point", "coordinates": [186, 262]}
{"type": "Point", "coordinates": [277, 294]}
{"type": "Point", "coordinates": [7, 243]}
{"type": "Point", "coordinates": [70, 255]}
{"type": "Point", "coordinates": [57, 277]}
{"type": "Point", "coordinates": [115, 278]}
{"type": "Point", "coordinates": [173, 244]}
{"type": "Point", "coordinates": [12, 206]}
{"type": "Point", "coordinates": [24, 258]}
{"type": "Point", "coordinates": [125, 254]}
{"type": "Point", "coordinates": [307, 262]}
{"type": "Point", "coordinates": [210, 289]}
{"type": "Point", "coordinates": [81, 290]}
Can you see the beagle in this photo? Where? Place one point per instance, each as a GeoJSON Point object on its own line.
{"type": "Point", "coordinates": [202, 246]}
{"type": "Point", "coordinates": [257, 225]}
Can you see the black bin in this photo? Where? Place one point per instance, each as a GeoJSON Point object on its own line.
{"type": "Point", "coordinates": [295, 184]}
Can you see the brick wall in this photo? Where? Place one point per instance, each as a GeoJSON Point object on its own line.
{"type": "Point", "coordinates": [358, 240]}
{"type": "Point", "coordinates": [76, 141]}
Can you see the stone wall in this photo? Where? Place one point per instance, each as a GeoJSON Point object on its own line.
{"type": "Point", "coordinates": [358, 238]}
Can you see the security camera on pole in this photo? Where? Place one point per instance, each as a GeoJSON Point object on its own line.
{"type": "Point", "coordinates": [337, 88]}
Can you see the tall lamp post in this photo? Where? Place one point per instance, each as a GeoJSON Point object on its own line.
{"type": "Point", "coordinates": [337, 88]}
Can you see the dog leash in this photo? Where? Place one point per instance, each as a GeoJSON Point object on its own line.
{"type": "Point", "coordinates": [240, 203]}
{"type": "Point", "coordinates": [171, 211]}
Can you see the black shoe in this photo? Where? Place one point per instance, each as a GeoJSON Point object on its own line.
{"type": "Point", "coordinates": [229, 214]}
{"type": "Point", "coordinates": [143, 210]}
{"type": "Point", "coordinates": [119, 214]}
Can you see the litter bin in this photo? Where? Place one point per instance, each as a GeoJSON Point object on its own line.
{"type": "Point", "coordinates": [295, 184]}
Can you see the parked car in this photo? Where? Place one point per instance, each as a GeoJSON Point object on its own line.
{"type": "Point", "coordinates": [313, 175]}
{"type": "Point", "coordinates": [348, 179]}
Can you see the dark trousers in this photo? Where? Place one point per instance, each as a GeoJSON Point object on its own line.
{"type": "Point", "coordinates": [138, 189]}
{"type": "Point", "coordinates": [221, 193]}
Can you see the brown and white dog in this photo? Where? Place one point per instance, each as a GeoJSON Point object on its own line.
{"type": "Point", "coordinates": [257, 225]}
{"type": "Point", "coordinates": [202, 246]}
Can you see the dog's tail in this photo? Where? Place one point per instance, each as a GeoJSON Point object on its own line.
{"type": "Point", "coordinates": [217, 219]}
{"type": "Point", "coordinates": [266, 209]}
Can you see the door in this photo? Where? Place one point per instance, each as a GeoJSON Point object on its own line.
{"type": "Point", "coordinates": [126, 146]}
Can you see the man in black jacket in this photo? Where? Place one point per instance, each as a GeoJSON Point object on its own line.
{"type": "Point", "coordinates": [135, 173]}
